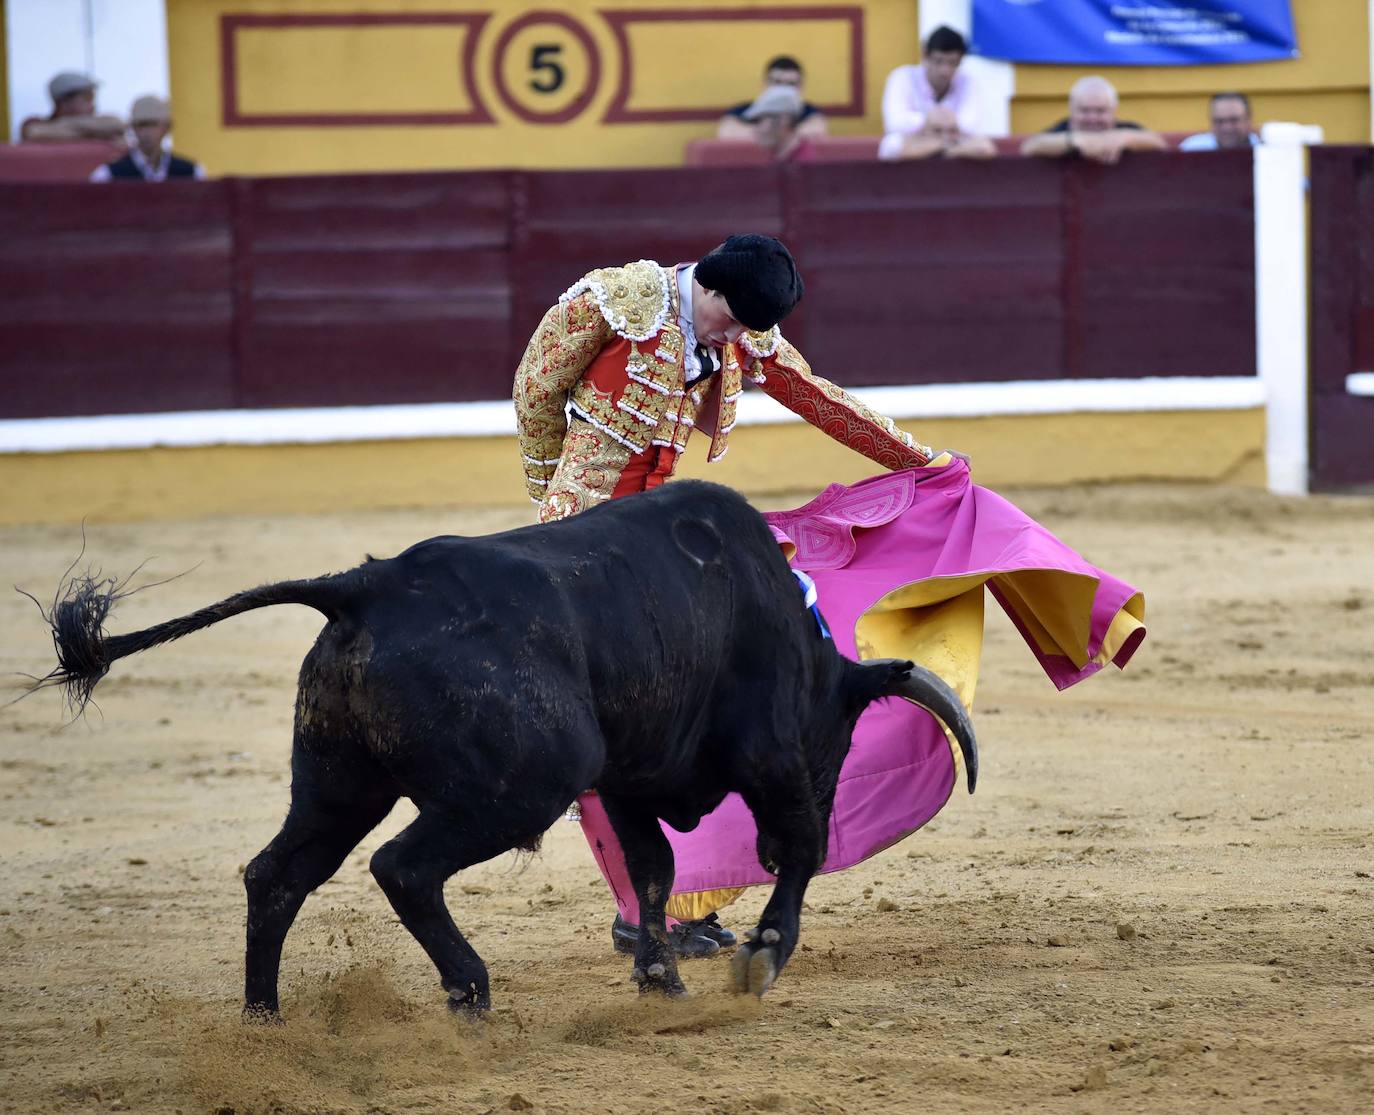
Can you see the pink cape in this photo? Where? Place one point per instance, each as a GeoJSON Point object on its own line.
{"type": "Point", "coordinates": [913, 550]}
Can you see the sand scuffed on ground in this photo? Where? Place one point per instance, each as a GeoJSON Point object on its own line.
{"type": "Point", "coordinates": [1159, 899]}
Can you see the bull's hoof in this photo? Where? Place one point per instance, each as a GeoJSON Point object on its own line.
{"type": "Point", "coordinates": [657, 979]}
{"type": "Point", "coordinates": [754, 970]}
{"type": "Point", "coordinates": [470, 1003]}
{"type": "Point", "coordinates": [262, 1016]}
{"type": "Point", "coordinates": [471, 1012]}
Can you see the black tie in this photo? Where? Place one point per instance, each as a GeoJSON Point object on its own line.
{"type": "Point", "coordinates": [708, 366]}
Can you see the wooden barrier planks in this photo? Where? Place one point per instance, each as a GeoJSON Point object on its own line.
{"type": "Point", "coordinates": [1341, 326]}
{"type": "Point", "coordinates": [411, 288]}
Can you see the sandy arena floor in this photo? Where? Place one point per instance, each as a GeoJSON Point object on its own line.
{"type": "Point", "coordinates": [1159, 899]}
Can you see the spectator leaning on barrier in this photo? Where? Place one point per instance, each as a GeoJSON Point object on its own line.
{"type": "Point", "coordinates": [940, 136]}
{"type": "Point", "coordinates": [774, 116]}
{"type": "Point", "coordinates": [1091, 130]}
{"type": "Point", "coordinates": [150, 159]}
{"type": "Point", "coordinates": [73, 118]}
{"type": "Point", "coordinates": [1231, 126]}
{"type": "Point", "coordinates": [786, 72]}
{"type": "Point", "coordinates": [912, 91]}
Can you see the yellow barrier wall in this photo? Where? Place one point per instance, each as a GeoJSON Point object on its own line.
{"type": "Point", "coordinates": [302, 86]}
{"type": "Point", "coordinates": [281, 87]}
{"type": "Point", "coordinates": [1328, 85]}
{"type": "Point", "coordinates": [1223, 446]}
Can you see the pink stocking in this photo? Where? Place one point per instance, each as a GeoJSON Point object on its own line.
{"type": "Point", "coordinates": [601, 838]}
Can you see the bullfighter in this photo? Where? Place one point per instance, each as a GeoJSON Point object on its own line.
{"type": "Point", "coordinates": [641, 355]}
{"type": "Point", "coordinates": [630, 361]}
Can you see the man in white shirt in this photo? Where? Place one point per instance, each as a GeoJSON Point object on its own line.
{"type": "Point", "coordinates": [1231, 126]}
{"type": "Point", "coordinates": [912, 91]}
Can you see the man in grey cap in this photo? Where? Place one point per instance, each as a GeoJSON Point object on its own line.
{"type": "Point", "coordinates": [73, 118]}
{"type": "Point", "coordinates": [150, 159]}
{"type": "Point", "coordinates": [774, 116]}
{"type": "Point", "coordinates": [749, 120]}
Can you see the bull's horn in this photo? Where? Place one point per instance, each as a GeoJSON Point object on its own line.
{"type": "Point", "coordinates": [935, 696]}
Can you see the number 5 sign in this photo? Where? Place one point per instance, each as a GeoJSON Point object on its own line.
{"type": "Point", "coordinates": [403, 84]}
{"type": "Point", "coordinates": [546, 67]}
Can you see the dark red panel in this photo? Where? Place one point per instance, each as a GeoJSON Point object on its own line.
{"type": "Point", "coordinates": [53, 162]}
{"type": "Point", "coordinates": [1343, 448]}
{"type": "Point", "coordinates": [1362, 333]}
{"type": "Point", "coordinates": [914, 270]}
{"type": "Point", "coordinates": [376, 289]}
{"type": "Point", "coordinates": [1166, 266]}
{"type": "Point", "coordinates": [115, 298]}
{"type": "Point", "coordinates": [1334, 267]}
{"type": "Point", "coordinates": [570, 222]}
{"type": "Point", "coordinates": [1363, 325]}
{"type": "Point", "coordinates": [1342, 316]}
{"type": "Point", "coordinates": [420, 287]}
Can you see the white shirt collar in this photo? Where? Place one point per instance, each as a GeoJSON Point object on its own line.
{"type": "Point", "coordinates": [691, 363]}
{"type": "Point", "coordinates": [150, 173]}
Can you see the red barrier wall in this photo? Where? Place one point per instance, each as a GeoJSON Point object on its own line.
{"type": "Point", "coordinates": [412, 288]}
{"type": "Point", "coordinates": [115, 300]}
{"type": "Point", "coordinates": [1342, 319]}
{"type": "Point", "coordinates": [354, 290]}
{"type": "Point", "coordinates": [54, 162]}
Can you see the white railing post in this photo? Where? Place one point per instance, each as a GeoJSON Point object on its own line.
{"type": "Point", "coordinates": [1281, 300]}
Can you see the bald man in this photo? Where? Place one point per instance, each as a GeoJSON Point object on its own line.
{"type": "Point", "coordinates": [1092, 130]}
{"type": "Point", "coordinates": [940, 137]}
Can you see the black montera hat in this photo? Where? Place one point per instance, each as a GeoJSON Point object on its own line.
{"type": "Point", "coordinates": [756, 275]}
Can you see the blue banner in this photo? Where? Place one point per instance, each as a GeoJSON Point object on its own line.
{"type": "Point", "coordinates": [1134, 32]}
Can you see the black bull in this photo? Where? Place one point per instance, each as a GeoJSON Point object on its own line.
{"type": "Point", "coordinates": [656, 648]}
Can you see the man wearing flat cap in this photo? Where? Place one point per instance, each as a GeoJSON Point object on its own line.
{"type": "Point", "coordinates": [774, 116]}
{"type": "Point", "coordinates": [73, 118]}
{"type": "Point", "coordinates": [149, 159]}
{"type": "Point", "coordinates": [631, 360]}
{"type": "Point", "coordinates": [744, 120]}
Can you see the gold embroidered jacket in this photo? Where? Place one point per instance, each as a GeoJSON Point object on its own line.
{"type": "Point", "coordinates": [613, 351]}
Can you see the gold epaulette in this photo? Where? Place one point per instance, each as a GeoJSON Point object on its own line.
{"type": "Point", "coordinates": [633, 299]}
{"type": "Point", "coordinates": [761, 343]}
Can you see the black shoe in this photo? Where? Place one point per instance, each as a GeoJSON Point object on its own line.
{"type": "Point", "coordinates": [687, 942]}
{"type": "Point", "coordinates": [710, 926]}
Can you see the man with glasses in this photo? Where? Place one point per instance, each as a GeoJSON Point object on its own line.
{"type": "Point", "coordinates": [1231, 126]}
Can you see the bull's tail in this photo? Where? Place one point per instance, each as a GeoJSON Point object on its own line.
{"type": "Point", "coordinates": [85, 652]}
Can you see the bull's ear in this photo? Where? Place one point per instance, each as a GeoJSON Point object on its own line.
{"type": "Point", "coordinates": [932, 693]}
